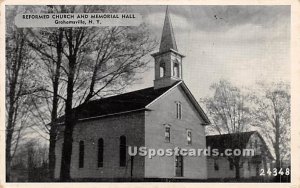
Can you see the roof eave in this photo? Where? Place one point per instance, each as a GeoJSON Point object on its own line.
{"type": "Point", "coordinates": [192, 98]}
{"type": "Point", "coordinates": [263, 140]}
{"type": "Point", "coordinates": [113, 114]}
{"type": "Point", "coordinates": [197, 106]}
{"type": "Point", "coordinates": [148, 105]}
{"type": "Point", "coordinates": [170, 50]}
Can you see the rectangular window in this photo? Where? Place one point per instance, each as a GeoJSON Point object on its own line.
{"type": "Point", "coordinates": [268, 165]}
{"type": "Point", "coordinates": [178, 110]}
{"type": "Point", "coordinates": [81, 154]}
{"type": "Point", "coordinates": [167, 133]}
{"type": "Point", "coordinates": [189, 137]}
{"type": "Point", "coordinates": [249, 166]}
{"type": "Point", "coordinates": [259, 148]}
{"type": "Point", "coordinates": [179, 166]}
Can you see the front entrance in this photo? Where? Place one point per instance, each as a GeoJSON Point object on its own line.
{"type": "Point", "coordinates": [179, 166]}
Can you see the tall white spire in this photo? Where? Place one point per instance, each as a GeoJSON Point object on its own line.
{"type": "Point", "coordinates": [167, 38]}
{"type": "Point", "coordinates": [168, 61]}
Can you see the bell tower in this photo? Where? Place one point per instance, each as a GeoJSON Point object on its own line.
{"type": "Point", "coordinates": [168, 61]}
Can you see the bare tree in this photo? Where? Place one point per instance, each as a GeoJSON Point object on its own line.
{"type": "Point", "coordinates": [98, 59]}
{"type": "Point", "coordinates": [31, 160]}
{"type": "Point", "coordinates": [52, 59]}
{"type": "Point", "coordinates": [49, 47]}
{"type": "Point", "coordinates": [19, 67]}
{"type": "Point", "coordinates": [82, 64]}
{"type": "Point", "coordinates": [36, 160]}
{"type": "Point", "coordinates": [271, 112]}
{"type": "Point", "coordinates": [46, 44]}
{"type": "Point", "coordinates": [230, 114]}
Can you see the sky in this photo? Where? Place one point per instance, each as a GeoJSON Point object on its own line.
{"type": "Point", "coordinates": [243, 44]}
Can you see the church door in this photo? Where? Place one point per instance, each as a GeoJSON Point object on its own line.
{"type": "Point", "coordinates": [179, 166]}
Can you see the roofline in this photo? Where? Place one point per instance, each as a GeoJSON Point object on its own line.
{"type": "Point", "coordinates": [170, 50]}
{"type": "Point", "coordinates": [231, 133]}
{"type": "Point", "coordinates": [252, 132]}
{"type": "Point", "coordinates": [194, 101]}
{"type": "Point", "coordinates": [197, 106]}
{"type": "Point", "coordinates": [111, 96]}
{"type": "Point", "coordinates": [263, 140]}
{"type": "Point", "coordinates": [163, 94]}
{"type": "Point", "coordinates": [113, 114]}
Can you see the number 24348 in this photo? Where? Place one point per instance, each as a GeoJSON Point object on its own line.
{"type": "Point", "coordinates": [275, 172]}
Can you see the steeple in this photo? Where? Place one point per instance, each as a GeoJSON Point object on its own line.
{"type": "Point", "coordinates": [168, 61]}
{"type": "Point", "coordinates": [167, 39]}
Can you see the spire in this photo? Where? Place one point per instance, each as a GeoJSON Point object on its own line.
{"type": "Point", "coordinates": [167, 39]}
{"type": "Point", "coordinates": [168, 61]}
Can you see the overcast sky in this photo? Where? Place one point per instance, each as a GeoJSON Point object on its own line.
{"type": "Point", "coordinates": [243, 44]}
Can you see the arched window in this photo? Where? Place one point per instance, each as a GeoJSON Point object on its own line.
{"type": "Point", "coordinates": [100, 152]}
{"type": "Point", "coordinates": [162, 69]}
{"type": "Point", "coordinates": [176, 72]}
{"type": "Point", "coordinates": [123, 151]}
{"type": "Point", "coordinates": [81, 154]}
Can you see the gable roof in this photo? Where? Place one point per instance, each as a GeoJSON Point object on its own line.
{"type": "Point", "coordinates": [234, 140]}
{"type": "Point", "coordinates": [129, 102]}
{"type": "Point", "coordinates": [192, 99]}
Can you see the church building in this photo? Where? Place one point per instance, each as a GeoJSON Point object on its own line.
{"type": "Point", "coordinates": [160, 117]}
